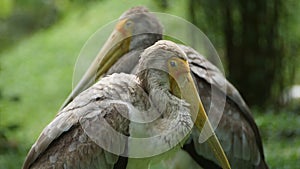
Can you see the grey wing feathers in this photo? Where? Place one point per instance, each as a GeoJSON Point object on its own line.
{"type": "Point", "coordinates": [65, 142]}
{"type": "Point", "coordinates": [237, 126]}
{"type": "Point", "coordinates": [59, 125]}
{"type": "Point", "coordinates": [210, 73]}
{"type": "Point", "coordinates": [236, 137]}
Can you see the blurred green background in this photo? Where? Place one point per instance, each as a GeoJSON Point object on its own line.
{"type": "Point", "coordinates": [258, 42]}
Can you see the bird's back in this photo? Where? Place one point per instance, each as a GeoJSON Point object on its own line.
{"type": "Point", "coordinates": [69, 140]}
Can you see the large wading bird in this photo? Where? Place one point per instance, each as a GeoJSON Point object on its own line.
{"type": "Point", "coordinates": [238, 133]}
{"type": "Point", "coordinates": [97, 125]}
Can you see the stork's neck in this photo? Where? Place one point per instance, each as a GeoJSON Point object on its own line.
{"type": "Point", "coordinates": [154, 80]}
{"type": "Point", "coordinates": [144, 40]}
{"type": "Point", "coordinates": [173, 122]}
{"type": "Point", "coordinates": [127, 63]}
{"type": "Point", "coordinates": [156, 84]}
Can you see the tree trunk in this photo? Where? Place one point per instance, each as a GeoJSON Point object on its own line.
{"type": "Point", "coordinates": [252, 42]}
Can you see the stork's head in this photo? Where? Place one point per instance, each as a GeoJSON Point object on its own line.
{"type": "Point", "coordinates": [161, 61]}
{"type": "Point", "coordinates": [141, 26]}
{"type": "Point", "coordinates": [163, 55]}
{"type": "Point", "coordinates": [136, 28]}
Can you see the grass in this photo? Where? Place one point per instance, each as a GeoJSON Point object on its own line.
{"type": "Point", "coordinates": [281, 138]}
{"type": "Point", "coordinates": [36, 77]}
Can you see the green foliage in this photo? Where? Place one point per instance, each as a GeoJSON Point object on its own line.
{"type": "Point", "coordinates": [261, 42]}
{"type": "Point", "coordinates": [6, 7]}
{"type": "Point", "coordinates": [21, 18]}
{"type": "Point", "coordinates": [281, 138]}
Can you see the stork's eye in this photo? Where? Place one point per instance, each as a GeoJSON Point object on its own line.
{"type": "Point", "coordinates": [173, 63]}
{"type": "Point", "coordinates": [128, 24]}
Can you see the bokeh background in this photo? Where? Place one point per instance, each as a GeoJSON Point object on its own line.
{"type": "Point", "coordinates": [258, 42]}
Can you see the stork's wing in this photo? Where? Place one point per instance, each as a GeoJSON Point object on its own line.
{"type": "Point", "coordinates": [237, 130]}
{"type": "Point", "coordinates": [66, 143]}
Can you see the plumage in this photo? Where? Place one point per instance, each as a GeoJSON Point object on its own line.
{"type": "Point", "coordinates": [119, 115]}
{"type": "Point", "coordinates": [237, 129]}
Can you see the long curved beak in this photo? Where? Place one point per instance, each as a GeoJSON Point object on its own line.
{"type": "Point", "coordinates": [184, 87]}
{"type": "Point", "coordinates": [116, 45]}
